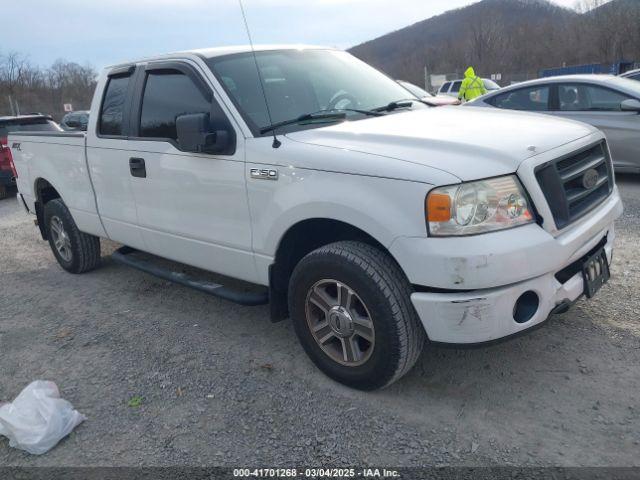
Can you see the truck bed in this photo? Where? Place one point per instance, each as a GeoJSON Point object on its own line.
{"type": "Point", "coordinates": [60, 158]}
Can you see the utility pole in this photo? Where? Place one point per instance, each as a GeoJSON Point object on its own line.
{"type": "Point", "coordinates": [427, 83]}
{"type": "Point", "coordinates": [11, 105]}
{"type": "Point", "coordinates": [15, 108]}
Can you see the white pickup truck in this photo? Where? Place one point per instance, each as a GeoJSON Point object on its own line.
{"type": "Point", "coordinates": [372, 220]}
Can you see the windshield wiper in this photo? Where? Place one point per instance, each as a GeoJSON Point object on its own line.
{"type": "Point", "coordinates": [404, 103]}
{"type": "Point", "coordinates": [307, 117]}
{"type": "Point", "coordinates": [371, 113]}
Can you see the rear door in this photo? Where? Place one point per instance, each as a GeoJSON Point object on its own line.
{"type": "Point", "coordinates": [600, 107]}
{"type": "Point", "coordinates": [192, 207]}
{"type": "Point", "coordinates": [108, 158]}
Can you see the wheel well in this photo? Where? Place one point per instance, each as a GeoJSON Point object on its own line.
{"type": "Point", "coordinates": [298, 241]}
{"type": "Point", "coordinates": [44, 193]}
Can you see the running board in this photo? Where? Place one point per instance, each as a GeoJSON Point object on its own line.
{"type": "Point", "coordinates": [123, 257]}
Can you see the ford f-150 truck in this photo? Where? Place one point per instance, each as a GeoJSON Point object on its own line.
{"type": "Point", "coordinates": [375, 222]}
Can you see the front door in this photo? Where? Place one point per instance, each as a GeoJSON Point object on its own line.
{"type": "Point", "coordinates": [192, 207]}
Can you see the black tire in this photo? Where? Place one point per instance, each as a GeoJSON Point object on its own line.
{"type": "Point", "coordinates": [4, 192]}
{"type": "Point", "coordinates": [84, 248]}
{"type": "Point", "coordinates": [384, 291]}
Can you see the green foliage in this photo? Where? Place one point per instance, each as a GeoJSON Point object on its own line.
{"type": "Point", "coordinates": [135, 401]}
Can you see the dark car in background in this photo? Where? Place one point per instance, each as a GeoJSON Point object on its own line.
{"type": "Point", "coordinates": [77, 120]}
{"type": "Point", "coordinates": [21, 123]}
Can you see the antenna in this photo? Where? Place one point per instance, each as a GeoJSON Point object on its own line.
{"type": "Point", "coordinates": [276, 142]}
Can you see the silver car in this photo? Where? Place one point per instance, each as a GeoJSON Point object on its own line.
{"type": "Point", "coordinates": [609, 103]}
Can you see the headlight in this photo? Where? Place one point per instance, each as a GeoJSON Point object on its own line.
{"type": "Point", "coordinates": [477, 207]}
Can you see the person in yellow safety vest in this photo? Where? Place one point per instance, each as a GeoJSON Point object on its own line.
{"type": "Point", "coordinates": [472, 86]}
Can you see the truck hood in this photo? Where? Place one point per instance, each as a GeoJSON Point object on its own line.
{"type": "Point", "coordinates": [467, 143]}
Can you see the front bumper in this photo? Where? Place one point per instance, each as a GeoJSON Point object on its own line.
{"type": "Point", "coordinates": [485, 315]}
{"type": "Point", "coordinates": [492, 271]}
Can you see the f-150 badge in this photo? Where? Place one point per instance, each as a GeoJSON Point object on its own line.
{"type": "Point", "coordinates": [264, 174]}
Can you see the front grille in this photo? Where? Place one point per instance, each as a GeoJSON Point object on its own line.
{"type": "Point", "coordinates": [563, 183]}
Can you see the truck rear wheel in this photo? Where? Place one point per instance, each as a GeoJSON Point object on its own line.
{"type": "Point", "coordinates": [75, 251]}
{"type": "Point", "coordinates": [352, 312]}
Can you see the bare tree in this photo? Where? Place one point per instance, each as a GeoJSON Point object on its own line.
{"type": "Point", "coordinates": [44, 90]}
{"type": "Point", "coordinates": [12, 68]}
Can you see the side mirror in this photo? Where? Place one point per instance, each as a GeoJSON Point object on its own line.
{"type": "Point", "coordinates": [73, 123]}
{"type": "Point", "coordinates": [630, 105]}
{"type": "Point", "coordinates": [195, 135]}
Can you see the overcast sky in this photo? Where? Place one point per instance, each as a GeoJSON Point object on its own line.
{"type": "Point", "coordinates": [109, 31]}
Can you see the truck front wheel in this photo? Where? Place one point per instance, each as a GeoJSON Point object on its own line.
{"type": "Point", "coordinates": [352, 312]}
{"type": "Point", "coordinates": [75, 251]}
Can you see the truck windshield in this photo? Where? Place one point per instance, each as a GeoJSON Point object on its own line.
{"type": "Point", "coordinates": [298, 82]}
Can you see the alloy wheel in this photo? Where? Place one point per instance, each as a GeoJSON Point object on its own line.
{"type": "Point", "coordinates": [61, 239]}
{"type": "Point", "coordinates": [340, 322]}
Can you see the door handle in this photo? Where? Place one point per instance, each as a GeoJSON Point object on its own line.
{"type": "Point", "coordinates": [137, 167]}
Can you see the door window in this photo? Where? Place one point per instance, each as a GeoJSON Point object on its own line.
{"type": "Point", "coordinates": [589, 98]}
{"type": "Point", "coordinates": [167, 95]}
{"type": "Point", "coordinates": [112, 110]}
{"type": "Point", "coordinates": [532, 99]}
{"type": "Point", "coordinates": [445, 88]}
{"type": "Point", "coordinates": [456, 86]}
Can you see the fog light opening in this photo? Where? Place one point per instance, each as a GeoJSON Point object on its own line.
{"type": "Point", "coordinates": [526, 306]}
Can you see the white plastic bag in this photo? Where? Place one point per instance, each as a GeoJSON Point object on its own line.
{"type": "Point", "coordinates": [38, 418]}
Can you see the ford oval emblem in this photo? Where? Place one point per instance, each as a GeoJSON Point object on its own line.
{"type": "Point", "coordinates": [590, 178]}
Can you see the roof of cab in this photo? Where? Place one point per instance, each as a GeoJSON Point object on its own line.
{"type": "Point", "coordinates": [220, 51]}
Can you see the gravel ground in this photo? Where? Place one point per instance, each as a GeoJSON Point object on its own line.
{"type": "Point", "coordinates": [221, 385]}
